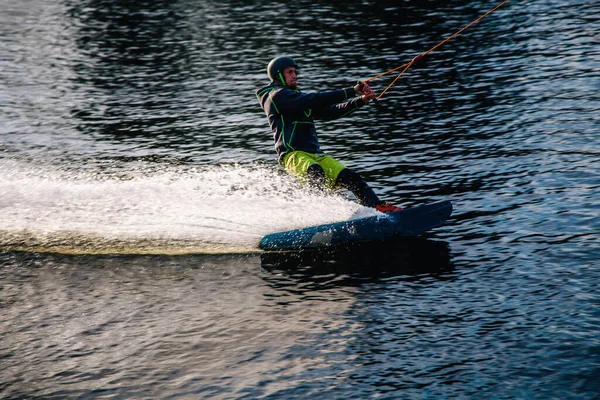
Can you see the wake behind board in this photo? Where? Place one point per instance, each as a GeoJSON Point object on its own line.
{"type": "Point", "coordinates": [409, 222]}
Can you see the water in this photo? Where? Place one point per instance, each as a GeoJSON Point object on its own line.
{"type": "Point", "coordinates": [138, 175]}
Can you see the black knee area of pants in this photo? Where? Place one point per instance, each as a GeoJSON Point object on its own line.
{"type": "Point", "coordinates": [315, 175]}
{"type": "Point", "coordinates": [352, 181]}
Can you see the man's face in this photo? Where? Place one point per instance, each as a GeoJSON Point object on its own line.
{"type": "Point", "coordinates": [289, 74]}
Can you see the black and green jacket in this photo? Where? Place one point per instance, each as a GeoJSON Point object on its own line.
{"type": "Point", "coordinates": [291, 114]}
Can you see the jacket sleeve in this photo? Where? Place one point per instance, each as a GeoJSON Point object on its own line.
{"type": "Point", "coordinates": [339, 110]}
{"type": "Point", "coordinates": [291, 100]}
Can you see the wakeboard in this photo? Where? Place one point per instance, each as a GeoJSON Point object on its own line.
{"type": "Point", "coordinates": [408, 222]}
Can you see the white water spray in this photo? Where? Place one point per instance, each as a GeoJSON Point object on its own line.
{"type": "Point", "coordinates": [172, 210]}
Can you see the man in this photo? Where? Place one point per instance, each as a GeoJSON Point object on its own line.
{"type": "Point", "coordinates": [291, 114]}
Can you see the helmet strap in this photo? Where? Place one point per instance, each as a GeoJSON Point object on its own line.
{"type": "Point", "coordinates": [281, 78]}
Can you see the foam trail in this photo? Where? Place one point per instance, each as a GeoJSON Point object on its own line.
{"type": "Point", "coordinates": [149, 210]}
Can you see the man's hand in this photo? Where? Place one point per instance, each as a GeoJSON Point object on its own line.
{"type": "Point", "coordinates": [363, 89]}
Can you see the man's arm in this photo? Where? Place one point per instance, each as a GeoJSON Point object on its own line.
{"type": "Point", "coordinates": [339, 110]}
{"type": "Point", "coordinates": [287, 100]}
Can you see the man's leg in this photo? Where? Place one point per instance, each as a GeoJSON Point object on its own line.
{"type": "Point", "coordinates": [315, 176]}
{"type": "Point", "coordinates": [322, 171]}
{"type": "Point", "coordinates": [352, 181]}
{"type": "Point", "coordinates": [338, 175]}
{"type": "Point", "coordinates": [304, 166]}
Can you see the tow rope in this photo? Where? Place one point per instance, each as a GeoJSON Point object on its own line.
{"type": "Point", "coordinates": [407, 65]}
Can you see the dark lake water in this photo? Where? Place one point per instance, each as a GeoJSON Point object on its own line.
{"type": "Point", "coordinates": [137, 175]}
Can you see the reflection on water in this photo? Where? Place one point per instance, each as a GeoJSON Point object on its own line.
{"type": "Point", "coordinates": [405, 256]}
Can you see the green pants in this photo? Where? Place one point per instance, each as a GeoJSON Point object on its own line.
{"type": "Point", "coordinates": [298, 162]}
